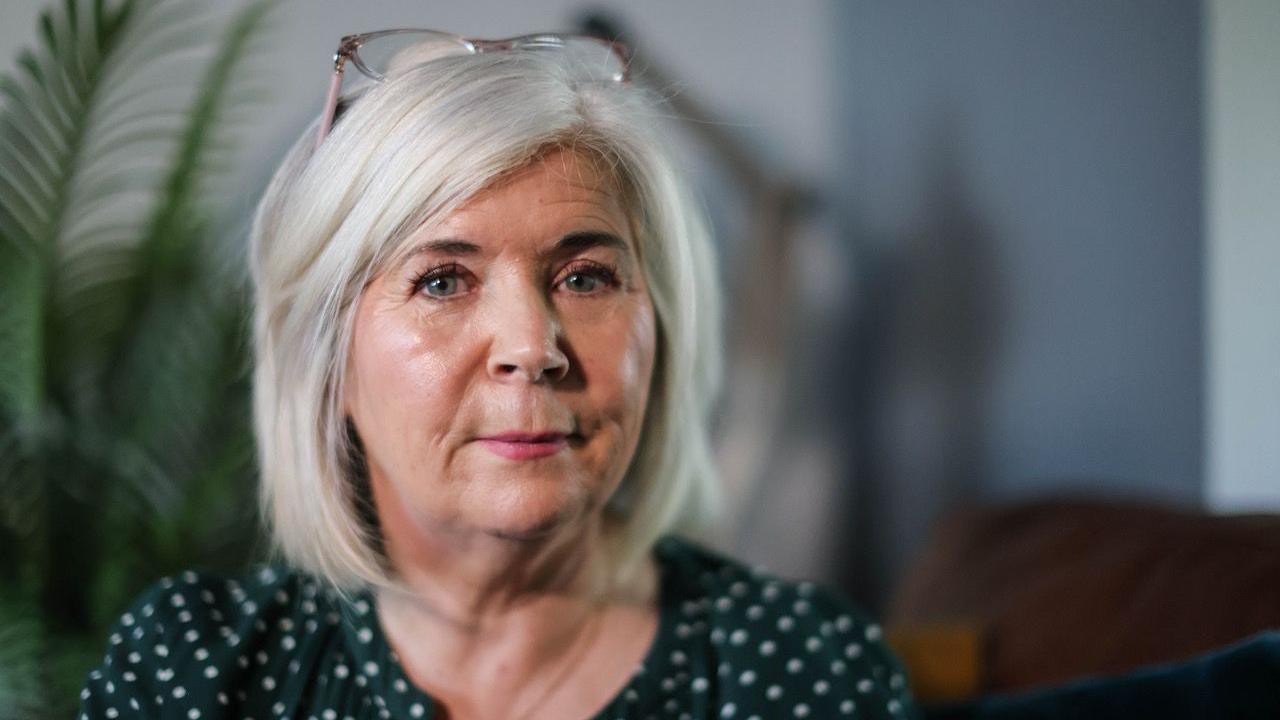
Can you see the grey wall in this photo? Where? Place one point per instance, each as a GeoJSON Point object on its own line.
{"type": "Point", "coordinates": [1242, 229]}
{"type": "Point", "coordinates": [1022, 181]}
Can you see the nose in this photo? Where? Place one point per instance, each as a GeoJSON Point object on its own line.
{"type": "Point", "coordinates": [525, 343]}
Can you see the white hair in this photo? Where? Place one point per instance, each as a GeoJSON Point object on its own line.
{"type": "Point", "coordinates": [408, 152]}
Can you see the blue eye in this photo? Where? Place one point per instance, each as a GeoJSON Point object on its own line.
{"type": "Point", "coordinates": [582, 282]}
{"type": "Point", "coordinates": [441, 286]}
{"type": "Point", "coordinates": [590, 279]}
{"type": "Point", "coordinates": [441, 282]}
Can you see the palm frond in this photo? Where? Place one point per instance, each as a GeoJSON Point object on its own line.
{"type": "Point", "coordinates": [124, 439]}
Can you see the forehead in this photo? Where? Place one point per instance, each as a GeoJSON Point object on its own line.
{"type": "Point", "coordinates": [557, 182]}
{"type": "Point", "coordinates": [559, 191]}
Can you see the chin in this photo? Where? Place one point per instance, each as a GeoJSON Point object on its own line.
{"type": "Point", "coordinates": [530, 511]}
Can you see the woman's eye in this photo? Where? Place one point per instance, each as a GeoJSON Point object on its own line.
{"type": "Point", "coordinates": [582, 282]}
{"type": "Point", "coordinates": [588, 281]}
{"type": "Point", "coordinates": [441, 284]}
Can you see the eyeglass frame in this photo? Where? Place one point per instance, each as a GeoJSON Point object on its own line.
{"type": "Point", "coordinates": [349, 46]}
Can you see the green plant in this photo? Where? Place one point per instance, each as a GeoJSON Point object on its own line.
{"type": "Point", "coordinates": [125, 445]}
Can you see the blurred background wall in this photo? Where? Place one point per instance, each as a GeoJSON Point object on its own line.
{"type": "Point", "coordinates": [1023, 182]}
{"type": "Point", "coordinates": [1043, 255]}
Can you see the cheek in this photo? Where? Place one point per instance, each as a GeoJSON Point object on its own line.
{"type": "Point", "coordinates": [622, 361]}
{"type": "Point", "coordinates": [398, 384]}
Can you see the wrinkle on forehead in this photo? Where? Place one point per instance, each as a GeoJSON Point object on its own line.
{"type": "Point", "coordinates": [578, 164]}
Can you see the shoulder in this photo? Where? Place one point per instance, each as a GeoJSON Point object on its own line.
{"type": "Point", "coordinates": [729, 591]}
{"type": "Point", "coordinates": [777, 638]}
{"type": "Point", "coordinates": [187, 639]}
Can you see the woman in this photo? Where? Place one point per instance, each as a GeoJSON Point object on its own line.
{"type": "Point", "coordinates": [486, 332]}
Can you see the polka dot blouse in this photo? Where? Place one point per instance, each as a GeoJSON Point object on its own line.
{"type": "Point", "coordinates": [731, 643]}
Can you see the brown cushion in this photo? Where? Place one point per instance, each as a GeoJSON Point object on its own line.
{"type": "Point", "coordinates": [1072, 588]}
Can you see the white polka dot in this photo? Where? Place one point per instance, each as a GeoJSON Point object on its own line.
{"type": "Point", "coordinates": [202, 654]}
{"type": "Point", "coordinates": [785, 623]}
{"type": "Point", "coordinates": [738, 637]}
{"type": "Point", "coordinates": [179, 692]}
{"type": "Point", "coordinates": [341, 671]}
{"type": "Point", "coordinates": [774, 692]}
{"type": "Point", "coordinates": [699, 684]}
{"type": "Point", "coordinates": [364, 635]}
{"type": "Point", "coordinates": [268, 683]}
{"type": "Point", "coordinates": [853, 650]}
{"type": "Point", "coordinates": [400, 685]}
{"type": "Point", "coordinates": [416, 710]}
{"type": "Point", "coordinates": [211, 672]}
{"type": "Point", "coordinates": [729, 710]}
{"type": "Point", "coordinates": [747, 677]}
{"type": "Point", "coordinates": [801, 710]}
{"type": "Point", "coordinates": [821, 687]}
{"type": "Point", "coordinates": [795, 665]}
{"type": "Point", "coordinates": [370, 668]}
{"type": "Point", "coordinates": [873, 632]}
{"type": "Point", "coordinates": [864, 686]}
{"type": "Point", "coordinates": [813, 644]}
{"type": "Point", "coordinates": [194, 714]}
{"type": "Point", "coordinates": [847, 707]}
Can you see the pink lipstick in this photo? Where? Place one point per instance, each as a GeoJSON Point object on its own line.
{"type": "Point", "coordinates": [525, 446]}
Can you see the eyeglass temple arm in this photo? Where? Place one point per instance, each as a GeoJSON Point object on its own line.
{"type": "Point", "coordinates": [331, 100]}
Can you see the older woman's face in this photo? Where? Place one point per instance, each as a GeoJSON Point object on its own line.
{"type": "Point", "coordinates": [499, 376]}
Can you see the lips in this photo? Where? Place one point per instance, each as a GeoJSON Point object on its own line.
{"type": "Point", "coordinates": [522, 437]}
{"type": "Point", "coordinates": [524, 445]}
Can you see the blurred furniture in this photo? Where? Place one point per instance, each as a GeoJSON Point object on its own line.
{"type": "Point", "coordinates": [1026, 596]}
{"type": "Point", "coordinates": [1241, 682]}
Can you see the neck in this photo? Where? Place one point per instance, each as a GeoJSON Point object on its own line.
{"type": "Point", "coordinates": [471, 580]}
{"type": "Point", "coordinates": [480, 615]}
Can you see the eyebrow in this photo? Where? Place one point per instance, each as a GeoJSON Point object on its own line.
{"type": "Point", "coordinates": [572, 243]}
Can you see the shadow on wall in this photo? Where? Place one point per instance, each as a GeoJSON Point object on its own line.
{"type": "Point", "coordinates": [918, 354]}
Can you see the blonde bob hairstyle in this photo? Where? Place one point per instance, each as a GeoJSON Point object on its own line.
{"type": "Point", "coordinates": [406, 153]}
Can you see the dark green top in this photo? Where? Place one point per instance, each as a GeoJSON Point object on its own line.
{"type": "Point", "coordinates": [731, 643]}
